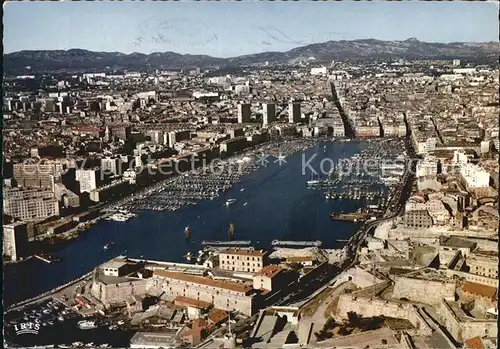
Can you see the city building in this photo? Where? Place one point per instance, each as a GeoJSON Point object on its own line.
{"type": "Point", "coordinates": [417, 219]}
{"type": "Point", "coordinates": [243, 113]}
{"type": "Point", "coordinates": [15, 241]}
{"type": "Point", "coordinates": [111, 165]}
{"type": "Point", "coordinates": [486, 295]}
{"type": "Point", "coordinates": [319, 71]}
{"type": "Point", "coordinates": [427, 167]}
{"type": "Point", "coordinates": [474, 176]}
{"type": "Point", "coordinates": [89, 179]}
{"type": "Point", "coordinates": [30, 205]}
{"type": "Point", "coordinates": [268, 113]}
{"type": "Point", "coordinates": [265, 277]}
{"type": "Point", "coordinates": [242, 260]}
{"type": "Point", "coordinates": [178, 136]}
{"type": "Point", "coordinates": [233, 145]}
{"type": "Point", "coordinates": [224, 295]}
{"type": "Point", "coordinates": [483, 263]}
{"type": "Point", "coordinates": [36, 174]}
{"type": "Point", "coordinates": [294, 113]}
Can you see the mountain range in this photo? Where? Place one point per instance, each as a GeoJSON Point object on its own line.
{"type": "Point", "coordinates": [354, 50]}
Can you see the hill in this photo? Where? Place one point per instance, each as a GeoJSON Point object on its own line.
{"type": "Point", "coordinates": [369, 49]}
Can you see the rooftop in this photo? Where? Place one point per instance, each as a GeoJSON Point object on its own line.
{"type": "Point", "coordinates": [232, 286]}
{"type": "Point", "coordinates": [244, 252]}
{"type": "Point", "coordinates": [479, 289]}
{"type": "Point", "coordinates": [270, 271]}
{"type": "Point", "coordinates": [163, 339]}
{"type": "Point", "coordinates": [191, 302]}
{"type": "Point", "coordinates": [113, 264]}
{"type": "Point", "coordinates": [456, 242]}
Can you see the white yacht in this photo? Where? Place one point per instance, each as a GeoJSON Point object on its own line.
{"type": "Point", "coordinates": [230, 202]}
{"type": "Point", "coordinates": [87, 324]}
{"type": "Point", "coordinates": [121, 216]}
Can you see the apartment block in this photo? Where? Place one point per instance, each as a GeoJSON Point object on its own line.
{"type": "Point", "coordinates": [30, 205]}
{"type": "Point", "coordinates": [242, 260]}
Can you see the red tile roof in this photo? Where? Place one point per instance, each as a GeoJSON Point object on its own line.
{"type": "Point", "coordinates": [232, 286]}
{"type": "Point", "coordinates": [481, 290]}
{"type": "Point", "coordinates": [217, 316]}
{"type": "Point", "coordinates": [474, 343]}
{"type": "Point", "coordinates": [191, 302]}
{"type": "Point", "coordinates": [199, 323]}
{"type": "Point", "coordinates": [270, 271]}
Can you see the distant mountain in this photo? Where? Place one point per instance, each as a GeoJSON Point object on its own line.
{"type": "Point", "coordinates": [81, 60]}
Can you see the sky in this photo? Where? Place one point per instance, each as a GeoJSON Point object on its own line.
{"type": "Point", "coordinates": [226, 29]}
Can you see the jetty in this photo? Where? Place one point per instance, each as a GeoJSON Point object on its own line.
{"type": "Point", "coordinates": [316, 243]}
{"type": "Point", "coordinates": [355, 216]}
{"type": "Point", "coordinates": [226, 243]}
{"type": "Point", "coordinates": [47, 258]}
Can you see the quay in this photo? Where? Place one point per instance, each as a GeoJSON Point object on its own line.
{"type": "Point", "coordinates": [316, 243]}
{"type": "Point", "coordinates": [48, 294]}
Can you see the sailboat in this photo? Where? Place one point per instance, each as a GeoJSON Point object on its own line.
{"type": "Point", "coordinates": [187, 232]}
{"type": "Point", "coordinates": [231, 231]}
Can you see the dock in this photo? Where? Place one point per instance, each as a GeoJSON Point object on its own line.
{"type": "Point", "coordinates": [355, 216]}
{"type": "Point", "coordinates": [47, 258]}
{"type": "Point", "coordinates": [226, 243]}
{"type": "Point", "coordinates": [316, 243]}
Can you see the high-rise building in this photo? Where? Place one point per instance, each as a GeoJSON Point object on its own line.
{"type": "Point", "coordinates": [107, 134]}
{"type": "Point", "coordinates": [15, 240]}
{"type": "Point", "coordinates": [243, 113]}
{"type": "Point", "coordinates": [111, 165]}
{"type": "Point", "coordinates": [88, 179]}
{"type": "Point", "coordinates": [294, 113]}
{"type": "Point", "coordinates": [268, 113]}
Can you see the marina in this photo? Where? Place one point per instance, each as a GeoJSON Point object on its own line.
{"type": "Point", "coordinates": [190, 188]}
{"type": "Point", "coordinates": [61, 326]}
{"type": "Point", "coordinates": [279, 207]}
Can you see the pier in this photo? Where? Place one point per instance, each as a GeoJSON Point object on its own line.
{"type": "Point", "coordinates": [355, 216]}
{"type": "Point", "coordinates": [316, 243]}
{"type": "Point", "coordinates": [47, 258]}
{"type": "Point", "coordinates": [226, 243]}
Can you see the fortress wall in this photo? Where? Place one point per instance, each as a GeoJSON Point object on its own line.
{"type": "Point", "coordinates": [423, 291]}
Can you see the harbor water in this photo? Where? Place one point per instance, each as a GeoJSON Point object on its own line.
{"type": "Point", "coordinates": [272, 203]}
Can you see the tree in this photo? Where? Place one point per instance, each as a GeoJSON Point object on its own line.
{"type": "Point", "coordinates": [354, 319]}
{"type": "Point", "coordinates": [330, 324]}
{"type": "Point", "coordinates": [296, 266]}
